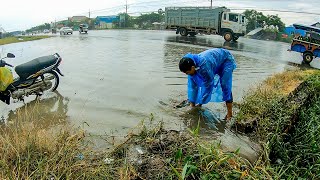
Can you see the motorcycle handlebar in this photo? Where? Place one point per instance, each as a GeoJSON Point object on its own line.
{"type": "Point", "coordinates": [3, 63]}
{"type": "Point", "coordinates": [8, 65]}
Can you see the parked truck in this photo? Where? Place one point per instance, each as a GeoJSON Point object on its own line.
{"type": "Point", "coordinates": [205, 20]}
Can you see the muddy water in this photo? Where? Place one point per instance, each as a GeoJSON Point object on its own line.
{"type": "Point", "coordinates": [116, 78]}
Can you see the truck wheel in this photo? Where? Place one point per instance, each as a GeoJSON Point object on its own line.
{"type": "Point", "coordinates": [227, 36]}
{"type": "Point", "coordinates": [307, 57]}
{"type": "Point", "coordinates": [183, 32]}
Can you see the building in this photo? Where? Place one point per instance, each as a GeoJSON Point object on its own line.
{"type": "Point", "coordinates": [77, 19]}
{"type": "Point", "coordinates": [316, 25]}
{"type": "Point", "coordinates": [106, 22]}
{"type": "Point", "coordinates": [290, 30]}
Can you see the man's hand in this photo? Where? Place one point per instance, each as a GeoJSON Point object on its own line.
{"type": "Point", "coordinates": [194, 105]}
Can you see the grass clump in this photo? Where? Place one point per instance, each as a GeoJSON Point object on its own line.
{"type": "Point", "coordinates": [27, 153]}
{"type": "Point", "coordinates": [297, 142]}
{"type": "Point", "coordinates": [15, 39]}
{"type": "Point", "coordinates": [155, 153]}
{"type": "Point", "coordinates": [37, 143]}
{"type": "Point", "coordinates": [288, 123]}
{"type": "Point", "coordinates": [273, 89]}
{"type": "Point", "coordinates": [257, 105]}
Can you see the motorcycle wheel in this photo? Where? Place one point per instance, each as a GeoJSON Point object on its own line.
{"type": "Point", "coordinates": [53, 77]}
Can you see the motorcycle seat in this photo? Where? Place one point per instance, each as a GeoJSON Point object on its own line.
{"type": "Point", "coordinates": [35, 65]}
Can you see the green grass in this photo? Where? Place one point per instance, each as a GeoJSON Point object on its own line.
{"type": "Point", "coordinates": [33, 149]}
{"type": "Point", "coordinates": [10, 40]}
{"type": "Point", "coordinates": [288, 123]}
{"type": "Point", "coordinates": [260, 98]}
{"type": "Point", "coordinates": [300, 146]}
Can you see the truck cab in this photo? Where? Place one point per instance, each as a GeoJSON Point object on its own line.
{"type": "Point", "coordinates": [233, 25]}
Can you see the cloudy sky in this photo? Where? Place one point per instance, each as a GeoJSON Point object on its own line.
{"type": "Point", "coordinates": [24, 14]}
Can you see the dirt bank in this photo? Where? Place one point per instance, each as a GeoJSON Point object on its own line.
{"type": "Point", "coordinates": [289, 126]}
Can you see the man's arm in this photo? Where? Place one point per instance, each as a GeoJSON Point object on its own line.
{"type": "Point", "coordinates": [192, 91]}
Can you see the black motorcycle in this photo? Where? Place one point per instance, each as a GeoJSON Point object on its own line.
{"type": "Point", "coordinates": [35, 77]}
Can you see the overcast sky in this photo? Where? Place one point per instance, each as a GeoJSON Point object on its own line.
{"type": "Point", "coordinates": [24, 14]}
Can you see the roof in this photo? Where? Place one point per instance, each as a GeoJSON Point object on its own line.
{"type": "Point", "coordinates": [307, 28]}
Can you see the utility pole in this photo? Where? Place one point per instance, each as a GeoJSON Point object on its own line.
{"type": "Point", "coordinates": [126, 6]}
{"type": "Point", "coordinates": [211, 4]}
{"type": "Point", "coordinates": [125, 15]}
{"type": "Point", "coordinates": [89, 13]}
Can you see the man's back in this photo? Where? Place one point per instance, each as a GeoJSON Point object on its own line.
{"type": "Point", "coordinates": [217, 56]}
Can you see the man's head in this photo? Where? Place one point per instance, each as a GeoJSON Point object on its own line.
{"type": "Point", "coordinates": [186, 65]}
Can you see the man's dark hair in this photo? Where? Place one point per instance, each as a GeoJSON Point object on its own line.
{"type": "Point", "coordinates": [185, 64]}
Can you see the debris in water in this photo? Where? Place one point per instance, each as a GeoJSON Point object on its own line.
{"type": "Point", "coordinates": [163, 103]}
{"type": "Point", "coordinates": [184, 103]}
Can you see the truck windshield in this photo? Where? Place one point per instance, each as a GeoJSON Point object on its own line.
{"type": "Point", "coordinates": [233, 17]}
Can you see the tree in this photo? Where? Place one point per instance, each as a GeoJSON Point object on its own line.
{"type": "Point", "coordinates": [39, 28]}
{"type": "Point", "coordinates": [91, 22]}
{"type": "Point", "coordinates": [275, 21]}
{"type": "Point", "coordinates": [125, 20]}
{"type": "Point", "coordinates": [146, 20]}
{"type": "Point", "coordinates": [255, 19]}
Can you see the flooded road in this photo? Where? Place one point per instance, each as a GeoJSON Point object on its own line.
{"type": "Point", "coordinates": [116, 78]}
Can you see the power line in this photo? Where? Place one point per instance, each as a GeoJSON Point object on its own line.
{"type": "Point", "coordinates": [284, 11]}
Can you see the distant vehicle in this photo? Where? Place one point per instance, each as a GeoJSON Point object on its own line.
{"type": "Point", "coordinates": [46, 31]}
{"type": "Point", "coordinates": [54, 30]}
{"type": "Point", "coordinates": [308, 45]}
{"type": "Point", "coordinates": [66, 30]}
{"type": "Point", "coordinates": [83, 28]}
{"type": "Point", "coordinates": [205, 20]}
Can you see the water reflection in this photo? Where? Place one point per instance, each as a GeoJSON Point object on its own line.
{"type": "Point", "coordinates": [195, 41]}
{"type": "Point", "coordinates": [233, 45]}
{"type": "Point", "coordinates": [43, 112]}
{"type": "Point", "coordinates": [128, 72]}
{"type": "Point", "coordinates": [208, 120]}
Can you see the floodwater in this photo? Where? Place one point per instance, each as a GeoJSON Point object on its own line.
{"type": "Point", "coordinates": [114, 79]}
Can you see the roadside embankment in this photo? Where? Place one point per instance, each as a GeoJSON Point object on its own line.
{"type": "Point", "coordinates": [283, 114]}
{"type": "Point", "coordinates": [16, 39]}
